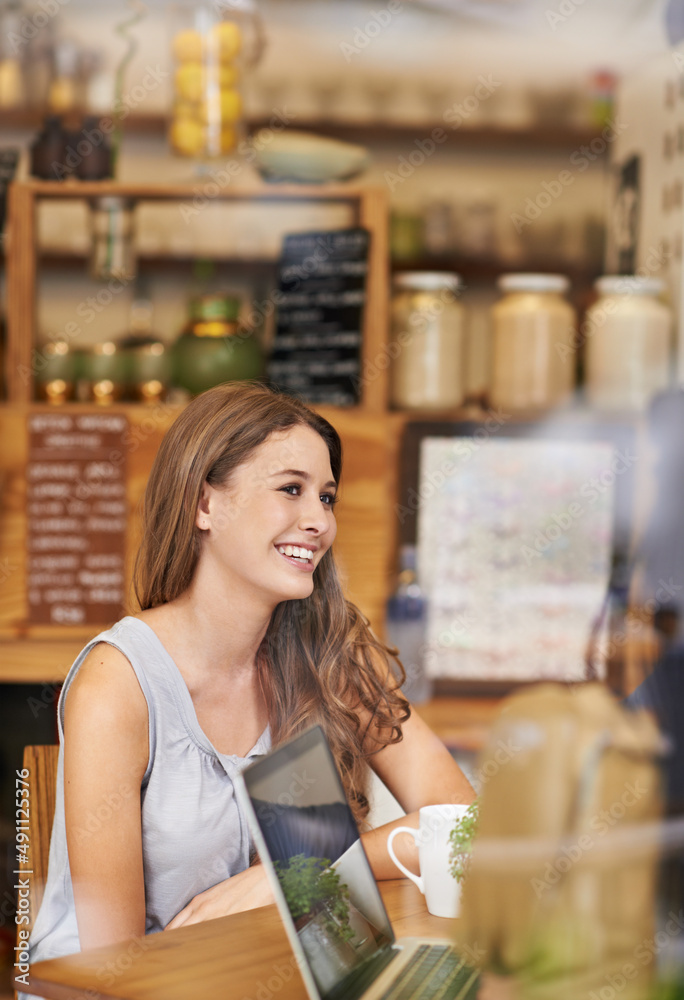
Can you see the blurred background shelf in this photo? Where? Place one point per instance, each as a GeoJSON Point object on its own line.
{"type": "Point", "coordinates": [33, 118]}
{"type": "Point", "coordinates": [471, 269]}
{"type": "Point", "coordinates": [554, 137]}
{"type": "Point", "coordinates": [478, 269]}
{"type": "Point", "coordinates": [76, 260]}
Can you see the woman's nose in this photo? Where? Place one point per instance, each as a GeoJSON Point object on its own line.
{"type": "Point", "coordinates": [314, 517]}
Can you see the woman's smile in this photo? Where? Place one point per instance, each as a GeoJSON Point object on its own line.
{"type": "Point", "coordinates": [300, 556]}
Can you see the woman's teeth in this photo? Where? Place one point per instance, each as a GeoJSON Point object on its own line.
{"type": "Point", "coordinates": [296, 551]}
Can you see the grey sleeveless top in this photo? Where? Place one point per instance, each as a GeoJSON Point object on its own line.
{"type": "Point", "coordinates": [194, 833]}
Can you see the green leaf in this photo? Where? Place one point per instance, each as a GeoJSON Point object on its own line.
{"type": "Point", "coordinates": [461, 841]}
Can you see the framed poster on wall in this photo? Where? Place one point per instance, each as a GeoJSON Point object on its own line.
{"type": "Point", "coordinates": [522, 532]}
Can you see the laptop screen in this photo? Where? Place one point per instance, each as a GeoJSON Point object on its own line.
{"type": "Point", "coordinates": [322, 869]}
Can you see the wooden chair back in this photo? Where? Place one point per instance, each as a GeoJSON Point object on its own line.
{"type": "Point", "coordinates": [41, 764]}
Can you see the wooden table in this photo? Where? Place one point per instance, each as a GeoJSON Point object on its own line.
{"type": "Point", "coordinates": [243, 957]}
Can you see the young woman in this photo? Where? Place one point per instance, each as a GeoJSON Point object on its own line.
{"type": "Point", "coordinates": [243, 639]}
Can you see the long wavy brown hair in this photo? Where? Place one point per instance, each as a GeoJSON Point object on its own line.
{"type": "Point", "coordinates": [319, 660]}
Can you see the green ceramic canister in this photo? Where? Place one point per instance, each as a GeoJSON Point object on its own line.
{"type": "Point", "coordinates": [104, 368]}
{"type": "Point", "coordinates": [212, 348]}
{"type": "Point", "coordinates": [148, 368]}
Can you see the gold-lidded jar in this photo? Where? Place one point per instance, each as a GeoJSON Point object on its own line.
{"type": "Point", "coordinates": [213, 347]}
{"type": "Point", "coordinates": [104, 370]}
{"type": "Point", "coordinates": [150, 371]}
{"type": "Point", "coordinates": [427, 342]}
{"type": "Point", "coordinates": [56, 373]}
{"type": "Point", "coordinates": [146, 356]}
{"type": "Point", "coordinates": [534, 338]}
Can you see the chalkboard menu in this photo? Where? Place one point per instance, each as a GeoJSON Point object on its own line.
{"type": "Point", "coordinates": [76, 497]}
{"type": "Point", "coordinates": [321, 298]}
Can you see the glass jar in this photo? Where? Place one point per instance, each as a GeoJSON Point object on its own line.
{"type": "Point", "coordinates": [211, 47]}
{"type": "Point", "coordinates": [628, 335]}
{"type": "Point", "coordinates": [147, 359]}
{"type": "Point", "coordinates": [533, 343]}
{"type": "Point", "coordinates": [148, 369]}
{"type": "Point", "coordinates": [63, 92]}
{"type": "Point", "coordinates": [112, 233]}
{"type": "Point", "coordinates": [56, 373]}
{"type": "Point", "coordinates": [405, 235]}
{"type": "Point", "coordinates": [213, 348]}
{"type": "Point", "coordinates": [12, 60]}
{"type": "Point", "coordinates": [427, 341]}
{"type": "Point", "coordinates": [104, 371]}
{"type": "Point", "coordinates": [95, 161]}
{"type": "Point", "coordinates": [48, 151]}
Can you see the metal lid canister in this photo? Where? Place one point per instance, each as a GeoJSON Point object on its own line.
{"type": "Point", "coordinates": [427, 341]}
{"type": "Point", "coordinates": [628, 338]}
{"type": "Point", "coordinates": [535, 343]}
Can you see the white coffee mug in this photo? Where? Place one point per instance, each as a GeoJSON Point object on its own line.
{"type": "Point", "coordinates": [441, 890]}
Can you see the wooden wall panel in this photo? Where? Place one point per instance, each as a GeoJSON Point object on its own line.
{"type": "Point", "coordinates": [375, 358]}
{"type": "Point", "coordinates": [365, 535]}
{"type": "Point", "coordinates": [13, 449]}
{"type": "Point", "coordinates": [20, 262]}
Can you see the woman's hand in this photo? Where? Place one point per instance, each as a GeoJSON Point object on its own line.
{"type": "Point", "coordinates": [244, 891]}
{"type": "Point", "coordinates": [419, 771]}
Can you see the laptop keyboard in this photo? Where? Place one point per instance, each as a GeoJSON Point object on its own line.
{"type": "Point", "coordinates": [434, 973]}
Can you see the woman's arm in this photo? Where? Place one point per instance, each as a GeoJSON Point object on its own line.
{"type": "Point", "coordinates": [418, 771]}
{"type": "Point", "coordinates": [105, 757]}
{"type": "Point", "coordinates": [244, 891]}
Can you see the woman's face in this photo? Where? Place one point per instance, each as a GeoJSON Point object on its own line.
{"type": "Point", "coordinates": [269, 528]}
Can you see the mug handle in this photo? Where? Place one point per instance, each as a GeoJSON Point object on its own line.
{"type": "Point", "coordinates": [414, 833]}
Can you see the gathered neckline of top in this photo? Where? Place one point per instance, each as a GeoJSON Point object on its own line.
{"type": "Point", "coordinates": [187, 705]}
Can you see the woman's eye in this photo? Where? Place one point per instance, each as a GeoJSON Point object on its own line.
{"type": "Point", "coordinates": [295, 490]}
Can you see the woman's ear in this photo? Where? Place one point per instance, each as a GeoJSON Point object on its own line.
{"type": "Point", "coordinates": [202, 515]}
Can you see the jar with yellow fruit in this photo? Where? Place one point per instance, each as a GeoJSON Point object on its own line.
{"type": "Point", "coordinates": [211, 50]}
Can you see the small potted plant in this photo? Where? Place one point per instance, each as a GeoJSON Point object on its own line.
{"type": "Point", "coordinates": [461, 841]}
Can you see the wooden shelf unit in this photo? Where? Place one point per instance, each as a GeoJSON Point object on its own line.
{"type": "Point", "coordinates": [369, 210]}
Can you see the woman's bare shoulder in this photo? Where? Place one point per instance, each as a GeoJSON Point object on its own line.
{"type": "Point", "coordinates": [106, 683]}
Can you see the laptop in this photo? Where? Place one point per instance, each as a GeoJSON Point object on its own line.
{"type": "Point", "coordinates": [327, 896]}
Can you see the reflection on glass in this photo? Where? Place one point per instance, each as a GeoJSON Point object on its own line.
{"type": "Point", "coordinates": [322, 831]}
{"type": "Point", "coordinates": [333, 932]}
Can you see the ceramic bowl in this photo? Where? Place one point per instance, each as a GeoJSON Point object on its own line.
{"type": "Point", "coordinates": [306, 158]}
